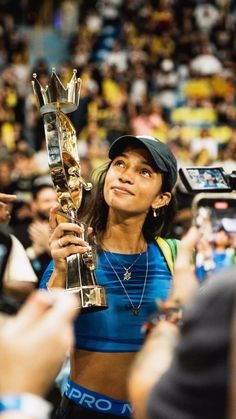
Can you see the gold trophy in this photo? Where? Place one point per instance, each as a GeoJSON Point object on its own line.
{"type": "Point", "coordinates": [54, 102]}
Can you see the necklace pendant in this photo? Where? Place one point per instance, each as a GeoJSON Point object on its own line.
{"type": "Point", "coordinates": [135, 311]}
{"type": "Point", "coordinates": [127, 275]}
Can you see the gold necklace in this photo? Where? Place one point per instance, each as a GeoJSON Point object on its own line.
{"type": "Point", "coordinates": [127, 274]}
{"type": "Point", "coordinates": [135, 309]}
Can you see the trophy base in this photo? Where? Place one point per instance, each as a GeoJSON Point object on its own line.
{"type": "Point", "coordinates": [90, 298]}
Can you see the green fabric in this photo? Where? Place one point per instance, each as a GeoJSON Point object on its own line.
{"type": "Point", "coordinates": [174, 244]}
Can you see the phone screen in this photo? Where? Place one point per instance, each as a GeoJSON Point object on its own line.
{"type": "Point", "coordinates": [216, 250]}
{"type": "Point", "coordinates": [207, 178]}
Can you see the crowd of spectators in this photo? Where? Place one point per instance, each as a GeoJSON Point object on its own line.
{"type": "Point", "coordinates": [163, 68]}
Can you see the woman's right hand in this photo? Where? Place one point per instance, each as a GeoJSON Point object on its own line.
{"type": "Point", "coordinates": [65, 240]}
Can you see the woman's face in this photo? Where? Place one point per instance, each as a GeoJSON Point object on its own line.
{"type": "Point", "coordinates": [132, 184]}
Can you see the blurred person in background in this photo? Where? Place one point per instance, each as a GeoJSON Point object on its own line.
{"type": "Point", "coordinates": [17, 275]}
{"type": "Point", "coordinates": [204, 142]}
{"type": "Point", "coordinates": [5, 201]}
{"type": "Point", "coordinates": [44, 198]}
{"type": "Point", "coordinates": [21, 217]}
{"type": "Point", "coordinates": [6, 167]}
{"type": "Point", "coordinates": [24, 174]}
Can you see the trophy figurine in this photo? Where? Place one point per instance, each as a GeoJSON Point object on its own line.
{"type": "Point", "coordinates": [54, 102]}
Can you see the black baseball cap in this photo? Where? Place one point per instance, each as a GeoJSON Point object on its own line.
{"type": "Point", "coordinates": [163, 158]}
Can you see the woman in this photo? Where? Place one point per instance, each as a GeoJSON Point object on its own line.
{"type": "Point", "coordinates": [132, 205]}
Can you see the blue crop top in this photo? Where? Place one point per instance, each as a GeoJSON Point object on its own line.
{"type": "Point", "coordinates": [117, 329]}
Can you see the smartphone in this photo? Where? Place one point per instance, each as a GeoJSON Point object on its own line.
{"type": "Point", "coordinates": [203, 179]}
{"type": "Point", "coordinates": [215, 216]}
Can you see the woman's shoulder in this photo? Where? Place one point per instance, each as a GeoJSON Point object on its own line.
{"type": "Point", "coordinates": [169, 248]}
{"type": "Point", "coordinates": [169, 243]}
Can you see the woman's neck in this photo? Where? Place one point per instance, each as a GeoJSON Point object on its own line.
{"type": "Point", "coordinates": [124, 237]}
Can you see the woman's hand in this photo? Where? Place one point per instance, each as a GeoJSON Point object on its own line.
{"type": "Point", "coordinates": [65, 240]}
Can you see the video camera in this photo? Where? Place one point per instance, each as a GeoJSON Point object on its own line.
{"type": "Point", "coordinates": [207, 179]}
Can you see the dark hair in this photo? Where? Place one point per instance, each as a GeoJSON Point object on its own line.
{"type": "Point", "coordinates": [96, 213]}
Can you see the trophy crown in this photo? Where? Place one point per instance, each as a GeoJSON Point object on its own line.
{"type": "Point", "coordinates": [55, 96]}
